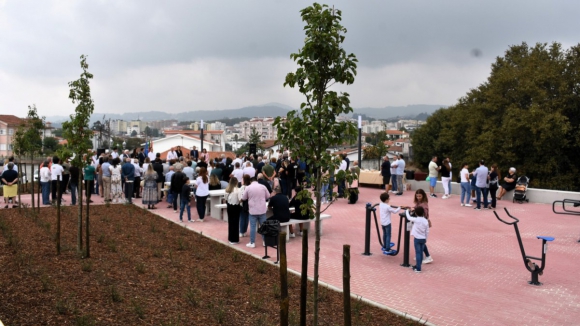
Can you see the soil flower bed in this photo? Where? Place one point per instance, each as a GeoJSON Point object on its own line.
{"type": "Point", "coordinates": [144, 270]}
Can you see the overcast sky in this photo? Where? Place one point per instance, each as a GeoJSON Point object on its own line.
{"type": "Point", "coordinates": [187, 55]}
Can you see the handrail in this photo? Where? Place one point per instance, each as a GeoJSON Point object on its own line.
{"type": "Point", "coordinates": [565, 211]}
{"type": "Point", "coordinates": [508, 223]}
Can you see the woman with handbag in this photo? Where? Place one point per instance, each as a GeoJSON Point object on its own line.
{"type": "Point", "coordinates": [494, 177]}
{"type": "Point", "coordinates": [234, 208]}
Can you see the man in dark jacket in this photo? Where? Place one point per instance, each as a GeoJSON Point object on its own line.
{"type": "Point", "coordinates": [386, 172]}
{"type": "Point", "coordinates": [158, 167]}
{"type": "Point", "coordinates": [177, 182]}
{"type": "Point", "coordinates": [128, 175]}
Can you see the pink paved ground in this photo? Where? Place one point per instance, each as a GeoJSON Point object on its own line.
{"type": "Point", "coordinates": [477, 278]}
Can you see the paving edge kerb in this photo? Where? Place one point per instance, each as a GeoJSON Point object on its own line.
{"type": "Point", "coordinates": [329, 286]}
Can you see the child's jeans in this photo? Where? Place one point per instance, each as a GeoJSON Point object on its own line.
{"type": "Point", "coordinates": [184, 204]}
{"type": "Point", "coordinates": [419, 248]}
{"type": "Point", "coordinates": [387, 236]}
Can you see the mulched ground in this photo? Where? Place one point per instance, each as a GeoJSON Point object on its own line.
{"type": "Point", "coordinates": [143, 270]}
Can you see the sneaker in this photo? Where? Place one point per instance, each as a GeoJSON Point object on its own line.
{"type": "Point", "coordinates": [428, 260]}
{"type": "Point", "coordinates": [433, 195]}
{"type": "Point", "coordinates": [462, 204]}
{"type": "Point", "coordinates": [477, 209]}
{"type": "Point", "coordinates": [489, 207]}
{"type": "Point", "coordinates": [180, 221]}
{"type": "Point", "coordinates": [251, 245]}
{"type": "Point", "coordinates": [292, 235]}
{"type": "Point", "coordinates": [200, 220]}
{"type": "Point", "coordinates": [190, 221]}
{"type": "Point", "coordinates": [234, 243]}
{"type": "Point", "coordinates": [174, 211]}
{"type": "Point", "coordinates": [468, 205]}
{"type": "Point", "coordinates": [241, 235]}
{"type": "Point", "coordinates": [444, 197]}
{"type": "Point", "coordinates": [399, 194]}
{"type": "Point", "coordinates": [416, 270]}
{"type": "Point", "coordinates": [300, 233]}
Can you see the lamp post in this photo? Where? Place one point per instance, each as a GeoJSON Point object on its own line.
{"type": "Point", "coordinates": [201, 149]}
{"type": "Point", "coordinates": [359, 140]}
{"type": "Point", "coordinates": [124, 144]}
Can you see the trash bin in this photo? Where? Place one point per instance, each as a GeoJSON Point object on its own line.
{"type": "Point", "coordinates": [410, 174]}
{"type": "Point", "coordinates": [271, 231]}
{"type": "Point", "coordinates": [420, 176]}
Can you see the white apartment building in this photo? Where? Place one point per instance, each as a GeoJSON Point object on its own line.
{"type": "Point", "coordinates": [264, 126]}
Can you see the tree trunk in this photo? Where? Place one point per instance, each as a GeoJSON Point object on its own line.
{"type": "Point", "coordinates": [39, 191]}
{"type": "Point", "coordinates": [317, 246]}
{"type": "Point", "coordinates": [80, 218]}
{"type": "Point", "coordinates": [58, 215]}
{"type": "Point", "coordinates": [87, 248]}
{"type": "Point", "coordinates": [19, 184]}
{"type": "Point", "coordinates": [32, 182]}
{"type": "Point", "coordinates": [346, 284]}
{"type": "Point", "coordinates": [284, 300]}
{"type": "Point", "coordinates": [304, 277]}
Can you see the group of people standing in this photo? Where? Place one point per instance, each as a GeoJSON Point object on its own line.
{"type": "Point", "coordinates": [481, 185]}
{"type": "Point", "coordinates": [392, 171]}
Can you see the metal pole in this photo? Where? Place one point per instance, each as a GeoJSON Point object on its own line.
{"type": "Point", "coordinates": [359, 141]}
{"type": "Point", "coordinates": [406, 244]}
{"type": "Point", "coordinates": [368, 230]}
{"type": "Point", "coordinates": [201, 149]}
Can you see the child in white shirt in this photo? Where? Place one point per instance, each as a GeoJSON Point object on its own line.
{"type": "Point", "coordinates": [420, 232]}
{"type": "Point", "coordinates": [385, 211]}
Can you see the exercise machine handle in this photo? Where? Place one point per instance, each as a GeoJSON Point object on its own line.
{"type": "Point", "coordinates": [505, 222]}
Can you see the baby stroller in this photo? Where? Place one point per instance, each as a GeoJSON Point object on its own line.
{"type": "Point", "coordinates": [520, 190]}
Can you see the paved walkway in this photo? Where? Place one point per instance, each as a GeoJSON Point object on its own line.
{"type": "Point", "coordinates": [477, 277]}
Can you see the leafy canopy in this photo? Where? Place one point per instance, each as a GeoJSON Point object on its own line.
{"type": "Point", "coordinates": [322, 62]}
{"type": "Point", "coordinates": [27, 139]}
{"type": "Point", "coordinates": [77, 130]}
{"type": "Point", "coordinates": [526, 115]}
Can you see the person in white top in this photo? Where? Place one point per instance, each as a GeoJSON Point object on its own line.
{"type": "Point", "coordinates": [385, 212]}
{"type": "Point", "coordinates": [44, 175]}
{"type": "Point", "coordinates": [115, 154]}
{"type": "Point", "coordinates": [234, 208]}
{"type": "Point", "coordinates": [237, 173]}
{"type": "Point", "coordinates": [151, 155]}
{"type": "Point", "coordinates": [171, 155]}
{"type": "Point", "coordinates": [249, 170]}
{"type": "Point", "coordinates": [400, 172]}
{"type": "Point", "coordinates": [433, 174]}
{"type": "Point", "coordinates": [420, 232]}
{"type": "Point", "coordinates": [55, 175]}
{"type": "Point", "coordinates": [201, 192]}
{"type": "Point", "coordinates": [465, 185]}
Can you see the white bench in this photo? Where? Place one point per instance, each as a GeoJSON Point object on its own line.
{"type": "Point", "coordinates": [224, 210]}
{"type": "Point", "coordinates": [286, 225]}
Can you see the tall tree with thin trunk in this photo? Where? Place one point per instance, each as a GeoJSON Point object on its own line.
{"type": "Point", "coordinates": [78, 132]}
{"type": "Point", "coordinates": [312, 130]}
{"type": "Point", "coordinates": [27, 142]}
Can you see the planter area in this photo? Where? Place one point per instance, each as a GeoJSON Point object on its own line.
{"type": "Point", "coordinates": [144, 270]}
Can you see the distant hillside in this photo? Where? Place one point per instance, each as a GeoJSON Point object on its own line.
{"type": "Point", "coordinates": [267, 110]}
{"type": "Point", "coordinates": [388, 112]}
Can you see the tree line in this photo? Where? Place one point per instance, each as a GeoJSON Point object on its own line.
{"type": "Point", "coordinates": [525, 115]}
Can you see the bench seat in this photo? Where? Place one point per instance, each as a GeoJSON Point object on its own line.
{"type": "Point", "coordinates": [286, 225]}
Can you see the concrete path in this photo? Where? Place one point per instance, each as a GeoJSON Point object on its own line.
{"type": "Point", "coordinates": [477, 277]}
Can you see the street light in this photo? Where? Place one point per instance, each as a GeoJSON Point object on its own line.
{"type": "Point", "coordinates": [124, 144]}
{"type": "Point", "coordinates": [359, 140]}
{"type": "Point", "coordinates": [201, 150]}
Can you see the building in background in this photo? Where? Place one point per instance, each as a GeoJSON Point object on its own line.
{"type": "Point", "coordinates": [8, 126]}
{"type": "Point", "coordinates": [264, 126]}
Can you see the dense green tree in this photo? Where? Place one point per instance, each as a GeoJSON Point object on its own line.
{"type": "Point", "coordinates": [256, 138]}
{"type": "Point", "coordinates": [50, 144]}
{"type": "Point", "coordinates": [27, 141]}
{"type": "Point", "coordinates": [525, 115]}
{"type": "Point", "coordinates": [134, 133]}
{"type": "Point", "coordinates": [310, 131]}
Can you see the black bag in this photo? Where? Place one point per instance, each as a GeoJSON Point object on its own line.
{"type": "Point", "coordinates": [245, 206]}
{"type": "Point", "coordinates": [270, 228]}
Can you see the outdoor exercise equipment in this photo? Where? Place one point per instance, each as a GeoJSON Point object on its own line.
{"type": "Point", "coordinates": [530, 265]}
{"type": "Point", "coordinates": [566, 211]}
{"type": "Point", "coordinates": [403, 223]}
